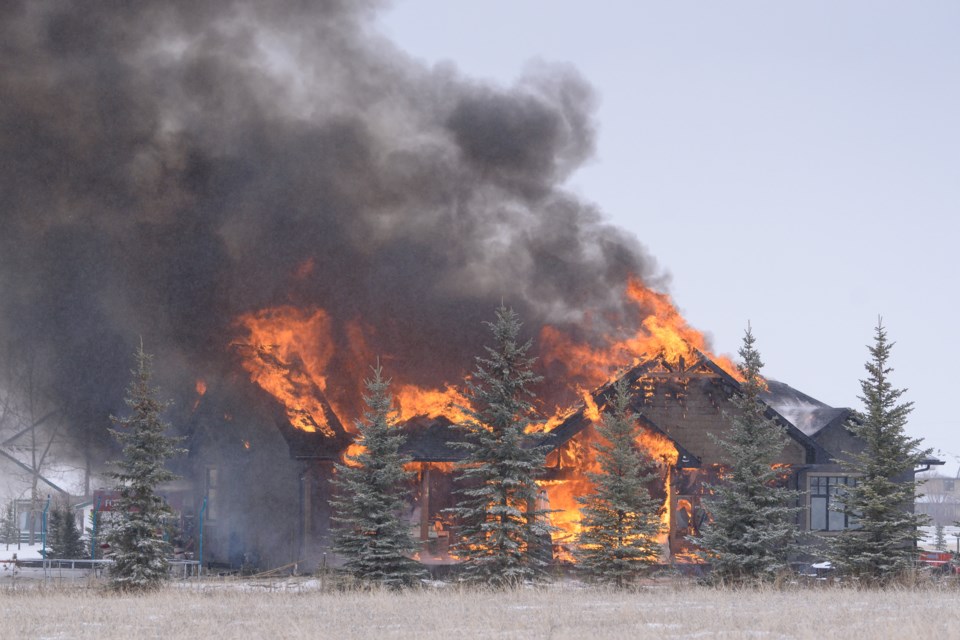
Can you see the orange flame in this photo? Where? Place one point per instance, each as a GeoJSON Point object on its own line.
{"type": "Point", "coordinates": [664, 451]}
{"type": "Point", "coordinates": [662, 331]}
{"type": "Point", "coordinates": [578, 458]}
{"type": "Point", "coordinates": [590, 409]}
{"type": "Point", "coordinates": [288, 352]}
{"type": "Point", "coordinates": [352, 453]}
{"type": "Point", "coordinates": [444, 467]}
{"type": "Point", "coordinates": [659, 447]}
{"type": "Point", "coordinates": [415, 401]}
{"type": "Point", "coordinates": [201, 388]}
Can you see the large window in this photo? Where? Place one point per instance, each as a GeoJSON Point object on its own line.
{"type": "Point", "coordinates": [826, 512]}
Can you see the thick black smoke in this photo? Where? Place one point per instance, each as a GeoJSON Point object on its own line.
{"type": "Point", "coordinates": [168, 165]}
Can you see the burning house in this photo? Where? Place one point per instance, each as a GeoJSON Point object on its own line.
{"type": "Point", "coordinates": [683, 400]}
{"type": "Point", "coordinates": [273, 195]}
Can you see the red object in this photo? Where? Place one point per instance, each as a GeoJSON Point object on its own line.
{"type": "Point", "coordinates": [936, 559]}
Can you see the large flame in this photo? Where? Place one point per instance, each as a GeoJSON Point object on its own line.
{"type": "Point", "coordinates": [286, 351]}
{"type": "Point", "coordinates": [577, 460]}
{"type": "Point", "coordinates": [662, 331]}
{"type": "Point", "coordinates": [416, 401]}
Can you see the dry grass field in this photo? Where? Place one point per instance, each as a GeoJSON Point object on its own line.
{"type": "Point", "coordinates": [298, 610]}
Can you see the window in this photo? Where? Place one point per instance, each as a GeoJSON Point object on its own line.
{"type": "Point", "coordinates": [826, 512]}
{"type": "Point", "coordinates": [949, 485]}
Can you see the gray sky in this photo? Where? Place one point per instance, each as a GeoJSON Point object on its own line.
{"type": "Point", "coordinates": [796, 165]}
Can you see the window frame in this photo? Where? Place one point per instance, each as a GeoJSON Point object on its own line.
{"type": "Point", "coordinates": [825, 487]}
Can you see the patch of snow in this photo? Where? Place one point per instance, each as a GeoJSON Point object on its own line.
{"type": "Point", "coordinates": [24, 552]}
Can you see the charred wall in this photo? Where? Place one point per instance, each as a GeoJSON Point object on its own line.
{"type": "Point", "coordinates": [241, 463]}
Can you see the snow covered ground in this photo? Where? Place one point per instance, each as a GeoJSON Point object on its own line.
{"type": "Point", "coordinates": [24, 552]}
{"type": "Point", "coordinates": [8, 569]}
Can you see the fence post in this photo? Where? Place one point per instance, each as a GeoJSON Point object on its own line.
{"type": "Point", "coordinates": [43, 535]}
{"type": "Point", "coordinates": [93, 533]}
{"type": "Point", "coordinates": [203, 510]}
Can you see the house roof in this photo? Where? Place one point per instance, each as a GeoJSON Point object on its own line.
{"type": "Point", "coordinates": [701, 364]}
{"type": "Point", "coordinates": [434, 439]}
{"type": "Point", "coordinates": [429, 439]}
{"type": "Point", "coordinates": [805, 412]}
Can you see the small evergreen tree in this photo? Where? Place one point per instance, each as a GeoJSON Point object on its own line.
{"type": "Point", "coordinates": [503, 532]}
{"type": "Point", "coordinates": [371, 533]}
{"type": "Point", "coordinates": [54, 528]}
{"type": "Point", "coordinates": [620, 520]}
{"type": "Point", "coordinates": [939, 538]}
{"type": "Point", "coordinates": [64, 536]}
{"type": "Point", "coordinates": [8, 527]}
{"type": "Point", "coordinates": [135, 536]}
{"type": "Point", "coordinates": [880, 502]}
{"type": "Point", "coordinates": [752, 529]}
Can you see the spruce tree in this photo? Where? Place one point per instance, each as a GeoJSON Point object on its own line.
{"type": "Point", "coordinates": [504, 535]}
{"type": "Point", "coordinates": [64, 536]}
{"type": "Point", "coordinates": [135, 534]}
{"type": "Point", "coordinates": [752, 529]}
{"type": "Point", "coordinates": [54, 528]}
{"type": "Point", "coordinates": [8, 527]}
{"type": "Point", "coordinates": [880, 501]}
{"type": "Point", "coordinates": [939, 538]}
{"type": "Point", "coordinates": [371, 532]}
{"type": "Point", "coordinates": [620, 520]}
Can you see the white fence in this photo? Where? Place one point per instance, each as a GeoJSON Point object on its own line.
{"type": "Point", "coordinates": [81, 568]}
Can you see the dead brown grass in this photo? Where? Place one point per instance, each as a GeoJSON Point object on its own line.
{"type": "Point", "coordinates": [660, 610]}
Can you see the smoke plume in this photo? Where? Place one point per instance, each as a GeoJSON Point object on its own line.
{"type": "Point", "coordinates": [168, 165]}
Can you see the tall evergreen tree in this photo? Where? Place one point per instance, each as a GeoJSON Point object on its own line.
{"type": "Point", "coordinates": [64, 536]}
{"type": "Point", "coordinates": [620, 519]}
{"type": "Point", "coordinates": [880, 501]}
{"type": "Point", "coordinates": [137, 547]}
{"type": "Point", "coordinates": [371, 533]}
{"type": "Point", "coordinates": [8, 527]}
{"type": "Point", "coordinates": [752, 529]}
{"type": "Point", "coordinates": [503, 532]}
